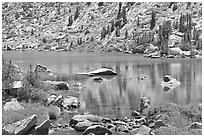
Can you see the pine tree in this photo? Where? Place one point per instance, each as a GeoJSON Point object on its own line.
{"type": "Point", "coordinates": [124, 15]}
{"type": "Point", "coordinates": [119, 10]}
{"type": "Point", "coordinates": [76, 14]}
{"type": "Point", "coordinates": [126, 33]}
{"type": "Point", "coordinates": [153, 20]}
{"type": "Point", "coordinates": [117, 32]}
{"type": "Point", "coordinates": [70, 21]}
{"type": "Point", "coordinates": [138, 21]}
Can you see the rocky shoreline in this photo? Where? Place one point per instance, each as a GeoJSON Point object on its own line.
{"type": "Point", "coordinates": [146, 120]}
{"type": "Point", "coordinates": [143, 121]}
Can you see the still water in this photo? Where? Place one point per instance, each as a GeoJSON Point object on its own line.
{"type": "Point", "coordinates": [118, 96]}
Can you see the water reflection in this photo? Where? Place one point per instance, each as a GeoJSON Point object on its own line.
{"type": "Point", "coordinates": [118, 96]}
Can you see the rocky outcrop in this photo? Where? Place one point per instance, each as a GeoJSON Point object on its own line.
{"type": "Point", "coordinates": [21, 127]}
{"type": "Point", "coordinates": [13, 105]}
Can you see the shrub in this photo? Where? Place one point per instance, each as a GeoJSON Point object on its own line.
{"type": "Point", "coordinates": [9, 73]}
{"type": "Point", "coordinates": [53, 112]}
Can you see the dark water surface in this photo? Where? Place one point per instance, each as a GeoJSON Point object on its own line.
{"type": "Point", "coordinates": [118, 96]}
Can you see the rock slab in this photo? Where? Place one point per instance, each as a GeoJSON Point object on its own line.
{"type": "Point", "coordinates": [21, 127]}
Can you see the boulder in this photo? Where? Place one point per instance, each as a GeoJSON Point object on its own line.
{"type": "Point", "coordinates": [42, 129]}
{"type": "Point", "coordinates": [21, 127]}
{"type": "Point", "coordinates": [143, 130]}
{"type": "Point", "coordinates": [90, 117]}
{"type": "Point", "coordinates": [40, 68]}
{"type": "Point", "coordinates": [135, 114]}
{"type": "Point", "coordinates": [103, 71]}
{"type": "Point", "coordinates": [150, 49]}
{"type": "Point", "coordinates": [169, 82]}
{"type": "Point", "coordinates": [195, 125]}
{"type": "Point", "coordinates": [175, 51]}
{"type": "Point", "coordinates": [13, 105]}
{"type": "Point", "coordinates": [60, 85]}
{"type": "Point", "coordinates": [83, 125]}
{"type": "Point", "coordinates": [57, 101]}
{"type": "Point", "coordinates": [51, 99]}
{"type": "Point", "coordinates": [97, 130]}
{"type": "Point", "coordinates": [167, 78]}
{"type": "Point", "coordinates": [70, 102]}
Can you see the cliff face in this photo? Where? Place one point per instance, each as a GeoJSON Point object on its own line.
{"type": "Point", "coordinates": [87, 26]}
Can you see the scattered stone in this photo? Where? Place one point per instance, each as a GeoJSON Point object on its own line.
{"type": "Point", "coordinates": [21, 127]}
{"type": "Point", "coordinates": [83, 125]}
{"type": "Point", "coordinates": [13, 105]}
{"type": "Point", "coordinates": [122, 128]}
{"type": "Point", "coordinates": [195, 125]}
{"type": "Point", "coordinates": [106, 120]}
{"type": "Point", "coordinates": [97, 130]}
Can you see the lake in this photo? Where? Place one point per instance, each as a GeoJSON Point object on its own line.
{"type": "Point", "coordinates": [118, 96]}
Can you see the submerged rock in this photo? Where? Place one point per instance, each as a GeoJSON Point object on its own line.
{"type": "Point", "coordinates": [21, 127]}
{"type": "Point", "coordinates": [97, 130]}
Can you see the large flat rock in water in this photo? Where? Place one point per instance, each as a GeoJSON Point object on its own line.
{"type": "Point", "coordinates": [101, 71]}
